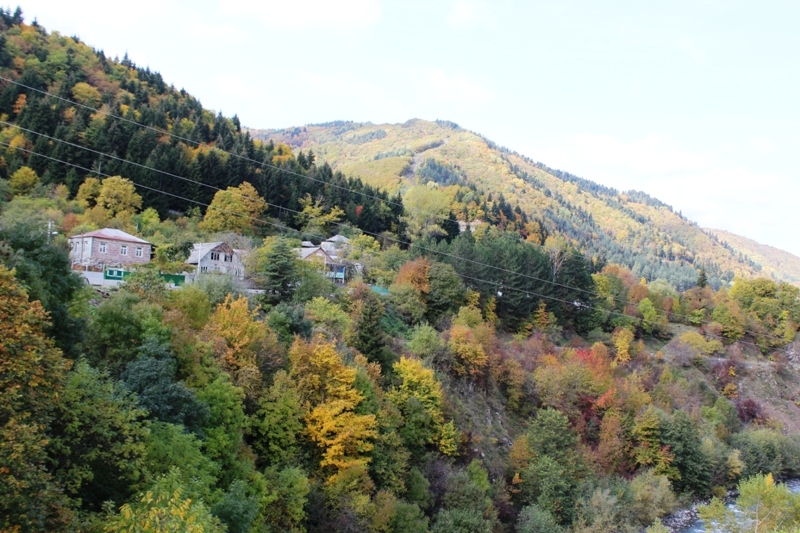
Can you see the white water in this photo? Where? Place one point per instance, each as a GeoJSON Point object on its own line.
{"type": "Point", "coordinates": [698, 527]}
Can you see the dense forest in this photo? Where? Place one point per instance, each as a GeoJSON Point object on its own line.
{"type": "Point", "coordinates": [495, 377]}
{"type": "Point", "coordinates": [488, 183]}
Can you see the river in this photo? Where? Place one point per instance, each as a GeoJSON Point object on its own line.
{"type": "Point", "coordinates": [697, 525]}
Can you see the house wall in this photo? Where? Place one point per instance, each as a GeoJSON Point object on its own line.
{"type": "Point", "coordinates": [234, 267]}
{"type": "Point", "coordinates": [88, 249]}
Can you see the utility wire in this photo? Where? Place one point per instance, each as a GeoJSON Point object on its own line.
{"type": "Point", "coordinates": [169, 174]}
{"type": "Point", "coordinates": [499, 284]}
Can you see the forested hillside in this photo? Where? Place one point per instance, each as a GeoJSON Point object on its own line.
{"type": "Point", "coordinates": [629, 228]}
{"type": "Point", "coordinates": [515, 376]}
{"type": "Point", "coordinates": [775, 262]}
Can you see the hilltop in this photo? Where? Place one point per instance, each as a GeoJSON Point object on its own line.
{"type": "Point", "coordinates": [630, 228]}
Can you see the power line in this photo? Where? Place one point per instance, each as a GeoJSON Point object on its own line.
{"type": "Point", "coordinates": [498, 284]}
{"type": "Point", "coordinates": [664, 313]}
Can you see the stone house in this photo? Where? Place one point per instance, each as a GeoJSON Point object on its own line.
{"type": "Point", "coordinates": [108, 247]}
{"type": "Point", "coordinates": [217, 257]}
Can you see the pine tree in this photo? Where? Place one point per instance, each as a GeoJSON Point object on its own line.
{"type": "Point", "coordinates": [369, 338]}
{"type": "Point", "coordinates": [280, 272]}
{"type": "Point", "coordinates": [702, 279]}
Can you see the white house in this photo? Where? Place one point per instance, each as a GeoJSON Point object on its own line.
{"type": "Point", "coordinates": [331, 267]}
{"type": "Point", "coordinates": [335, 245]}
{"type": "Point", "coordinates": [217, 257]}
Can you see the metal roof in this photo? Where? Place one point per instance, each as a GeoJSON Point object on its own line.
{"type": "Point", "coordinates": [112, 235]}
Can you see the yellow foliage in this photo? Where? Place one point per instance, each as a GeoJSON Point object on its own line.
{"type": "Point", "coordinates": [469, 357]}
{"type": "Point", "coordinates": [325, 385]}
{"type": "Point", "coordinates": [622, 339]}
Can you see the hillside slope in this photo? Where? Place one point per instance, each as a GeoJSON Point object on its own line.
{"type": "Point", "coordinates": [630, 228]}
{"type": "Point", "coordinates": [774, 261]}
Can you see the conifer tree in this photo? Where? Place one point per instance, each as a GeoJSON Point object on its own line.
{"type": "Point", "coordinates": [279, 273]}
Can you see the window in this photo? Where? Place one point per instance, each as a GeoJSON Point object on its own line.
{"type": "Point", "coordinates": [123, 250]}
{"type": "Point", "coordinates": [102, 247]}
{"type": "Point", "coordinates": [228, 258]}
{"type": "Point", "coordinates": [215, 256]}
{"type": "Point", "coordinates": [139, 251]}
{"type": "Point", "coordinates": [203, 269]}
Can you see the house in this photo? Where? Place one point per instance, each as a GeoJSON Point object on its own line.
{"type": "Point", "coordinates": [108, 247]}
{"type": "Point", "coordinates": [335, 245]}
{"type": "Point", "coordinates": [331, 268]}
{"type": "Point", "coordinates": [217, 257]}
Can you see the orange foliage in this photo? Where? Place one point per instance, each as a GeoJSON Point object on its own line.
{"type": "Point", "coordinates": [415, 273]}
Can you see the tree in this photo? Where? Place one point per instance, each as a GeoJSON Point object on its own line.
{"type": "Point", "coordinates": [118, 197]}
{"type": "Point", "coordinates": [762, 506]}
{"type": "Point", "coordinates": [419, 398]}
{"type": "Point", "coordinates": [368, 337]}
{"type": "Point", "coordinates": [326, 389]}
{"type": "Point", "coordinates": [244, 346]}
{"type": "Point", "coordinates": [32, 373]}
{"type": "Point", "coordinates": [42, 265]}
{"type": "Point", "coordinates": [276, 425]}
{"type": "Point", "coordinates": [287, 497]}
{"type": "Point", "coordinates": [98, 439]}
{"type": "Point", "coordinates": [702, 278]}
{"type": "Point", "coordinates": [649, 315]}
{"type": "Point", "coordinates": [164, 509]}
{"type": "Point", "coordinates": [153, 381]}
{"type": "Point", "coordinates": [236, 209]}
{"type": "Point", "coordinates": [622, 339]}
{"type": "Point", "coordinates": [683, 439]}
{"type": "Point", "coordinates": [23, 181]}
{"type": "Point", "coordinates": [227, 212]}
{"type": "Point", "coordinates": [533, 519]}
{"type": "Point", "coordinates": [426, 207]}
{"type": "Point", "coordinates": [277, 270]}
{"type": "Point", "coordinates": [313, 219]}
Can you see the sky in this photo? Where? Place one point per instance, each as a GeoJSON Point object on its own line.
{"type": "Point", "coordinates": [694, 102]}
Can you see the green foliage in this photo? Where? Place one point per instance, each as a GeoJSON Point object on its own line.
{"type": "Point", "coordinates": [328, 316]}
{"type": "Point", "coordinates": [425, 342]}
{"type": "Point", "coordinates": [766, 451]}
{"type": "Point", "coordinates": [99, 439]}
{"type": "Point", "coordinates": [533, 519]}
{"type": "Point", "coordinates": [170, 449]}
{"type": "Point", "coordinates": [164, 509]}
{"type": "Point", "coordinates": [119, 327]}
{"type": "Point", "coordinates": [42, 265]}
{"type": "Point", "coordinates": [277, 274]}
{"type": "Point", "coordinates": [217, 287]}
{"type": "Point", "coordinates": [32, 373]}
{"type": "Point", "coordinates": [369, 337]}
{"type": "Point", "coordinates": [23, 181]}
{"type": "Point", "coordinates": [275, 427]}
{"type": "Point", "coordinates": [683, 439]}
{"type": "Point", "coordinates": [762, 506]}
{"type": "Point", "coordinates": [153, 381]}
{"type": "Point", "coordinates": [236, 509]}
{"type": "Point", "coordinates": [225, 427]}
{"type": "Point", "coordinates": [284, 506]}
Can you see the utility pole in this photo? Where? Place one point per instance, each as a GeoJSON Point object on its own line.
{"type": "Point", "coordinates": [50, 230]}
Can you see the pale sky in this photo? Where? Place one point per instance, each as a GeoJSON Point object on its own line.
{"type": "Point", "coordinates": [694, 102]}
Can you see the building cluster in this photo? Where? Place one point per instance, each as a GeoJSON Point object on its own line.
{"type": "Point", "coordinates": [112, 249]}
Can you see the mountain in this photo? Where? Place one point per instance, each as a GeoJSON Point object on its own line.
{"type": "Point", "coordinates": [774, 261]}
{"type": "Point", "coordinates": [630, 228]}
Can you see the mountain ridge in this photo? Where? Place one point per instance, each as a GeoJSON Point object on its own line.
{"type": "Point", "coordinates": [627, 227]}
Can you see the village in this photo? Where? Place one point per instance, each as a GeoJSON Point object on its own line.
{"type": "Point", "coordinates": [105, 257]}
